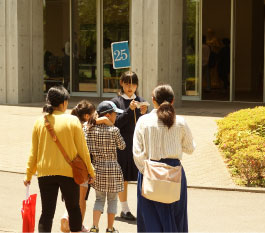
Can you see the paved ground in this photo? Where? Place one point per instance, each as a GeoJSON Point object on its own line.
{"type": "Point", "coordinates": [209, 210]}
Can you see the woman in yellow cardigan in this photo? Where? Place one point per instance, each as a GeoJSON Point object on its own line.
{"type": "Point", "coordinates": [47, 160]}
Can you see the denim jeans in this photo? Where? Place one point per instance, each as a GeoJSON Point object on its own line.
{"type": "Point", "coordinates": [100, 202]}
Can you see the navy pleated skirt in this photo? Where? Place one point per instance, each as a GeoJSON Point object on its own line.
{"type": "Point", "coordinates": [154, 216]}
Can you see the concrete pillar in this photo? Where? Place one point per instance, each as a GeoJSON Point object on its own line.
{"type": "Point", "coordinates": [37, 70]}
{"type": "Point", "coordinates": [21, 45]}
{"type": "Point", "coordinates": [2, 52]}
{"type": "Point", "coordinates": [156, 45]}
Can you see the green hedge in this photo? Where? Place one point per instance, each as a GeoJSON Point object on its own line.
{"type": "Point", "coordinates": [241, 138]}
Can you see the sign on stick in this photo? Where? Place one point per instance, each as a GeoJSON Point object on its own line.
{"type": "Point", "coordinates": [120, 55]}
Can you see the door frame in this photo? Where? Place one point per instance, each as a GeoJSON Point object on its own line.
{"type": "Point", "coordinates": [198, 55]}
{"type": "Point", "coordinates": [232, 51]}
{"type": "Point", "coordinates": [264, 57]}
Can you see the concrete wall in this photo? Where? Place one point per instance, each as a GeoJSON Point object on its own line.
{"type": "Point", "coordinates": [156, 48]}
{"type": "Point", "coordinates": [21, 51]}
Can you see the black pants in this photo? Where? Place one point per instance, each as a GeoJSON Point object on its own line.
{"type": "Point", "coordinates": [49, 186]}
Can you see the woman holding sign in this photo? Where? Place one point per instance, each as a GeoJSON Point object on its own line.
{"type": "Point", "coordinates": [133, 106]}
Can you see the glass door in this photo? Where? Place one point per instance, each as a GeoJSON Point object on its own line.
{"type": "Point", "coordinates": [56, 26]}
{"type": "Point", "coordinates": [115, 29]}
{"type": "Point", "coordinates": [249, 50]}
{"type": "Point", "coordinates": [216, 37]}
{"type": "Point", "coordinates": [191, 49]}
{"type": "Point", "coordinates": [84, 46]}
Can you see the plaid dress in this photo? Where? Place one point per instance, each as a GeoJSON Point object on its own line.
{"type": "Point", "coordinates": [102, 142]}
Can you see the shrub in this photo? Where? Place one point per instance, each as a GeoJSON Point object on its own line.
{"type": "Point", "coordinates": [241, 139]}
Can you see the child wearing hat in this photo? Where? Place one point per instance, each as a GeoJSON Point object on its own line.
{"type": "Point", "coordinates": [103, 141]}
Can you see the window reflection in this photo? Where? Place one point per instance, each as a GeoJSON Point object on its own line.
{"type": "Point", "coordinates": [190, 69]}
{"type": "Point", "coordinates": [115, 29]}
{"type": "Point", "coordinates": [56, 23]}
{"type": "Point", "coordinates": [75, 55]}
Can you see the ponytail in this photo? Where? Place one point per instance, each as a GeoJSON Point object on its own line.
{"type": "Point", "coordinates": [82, 108]}
{"type": "Point", "coordinates": [48, 108]}
{"type": "Point", "coordinates": [164, 96]}
{"type": "Point", "coordinates": [55, 96]}
{"type": "Point", "coordinates": [75, 112]}
{"type": "Point", "coordinates": [166, 114]}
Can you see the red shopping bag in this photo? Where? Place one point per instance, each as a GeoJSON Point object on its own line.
{"type": "Point", "coordinates": [28, 212]}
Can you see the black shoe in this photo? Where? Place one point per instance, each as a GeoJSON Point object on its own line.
{"type": "Point", "coordinates": [113, 230]}
{"type": "Point", "coordinates": [127, 216]}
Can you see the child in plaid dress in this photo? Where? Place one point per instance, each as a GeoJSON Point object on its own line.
{"type": "Point", "coordinates": [103, 141]}
{"type": "Point", "coordinates": [85, 111]}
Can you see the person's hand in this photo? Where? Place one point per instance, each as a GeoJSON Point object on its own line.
{"type": "Point", "coordinates": [143, 109]}
{"type": "Point", "coordinates": [133, 105]}
{"type": "Point", "coordinates": [91, 180]}
{"type": "Point", "coordinates": [26, 182]}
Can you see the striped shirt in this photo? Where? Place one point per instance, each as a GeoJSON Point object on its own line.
{"type": "Point", "coordinates": [152, 139]}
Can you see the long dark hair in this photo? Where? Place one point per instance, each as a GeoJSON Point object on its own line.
{"type": "Point", "coordinates": [128, 77]}
{"type": "Point", "coordinates": [55, 96]}
{"type": "Point", "coordinates": [82, 108]}
{"type": "Point", "coordinates": [164, 95]}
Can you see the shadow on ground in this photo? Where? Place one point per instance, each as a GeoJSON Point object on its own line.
{"type": "Point", "coordinates": [117, 218]}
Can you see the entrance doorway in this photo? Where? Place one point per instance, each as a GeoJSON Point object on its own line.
{"type": "Point", "coordinates": [235, 66]}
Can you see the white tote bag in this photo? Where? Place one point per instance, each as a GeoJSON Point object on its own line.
{"type": "Point", "coordinates": [161, 182]}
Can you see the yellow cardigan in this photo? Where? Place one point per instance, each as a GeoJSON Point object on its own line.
{"type": "Point", "coordinates": [45, 156]}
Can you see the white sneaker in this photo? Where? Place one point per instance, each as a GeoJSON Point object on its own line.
{"type": "Point", "coordinates": [84, 229]}
{"type": "Point", "coordinates": [65, 225]}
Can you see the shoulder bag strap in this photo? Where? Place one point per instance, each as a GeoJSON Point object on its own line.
{"type": "Point", "coordinates": [56, 140]}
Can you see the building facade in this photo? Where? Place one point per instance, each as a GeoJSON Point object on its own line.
{"type": "Point", "coordinates": [206, 49]}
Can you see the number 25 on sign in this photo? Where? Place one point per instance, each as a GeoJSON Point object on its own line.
{"type": "Point", "coordinates": [120, 55]}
